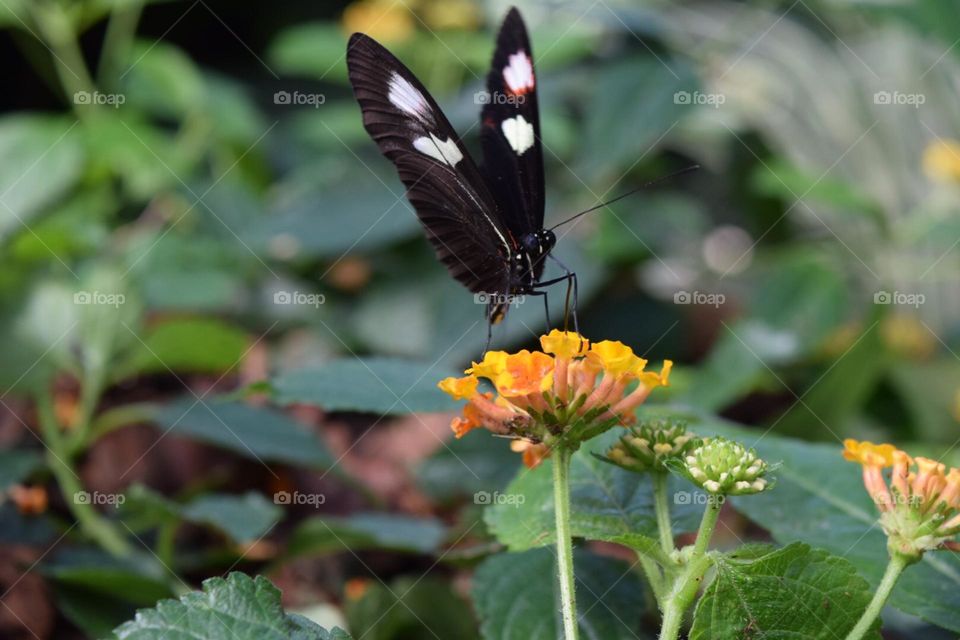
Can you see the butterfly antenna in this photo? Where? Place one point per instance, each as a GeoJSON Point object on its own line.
{"type": "Point", "coordinates": [628, 193]}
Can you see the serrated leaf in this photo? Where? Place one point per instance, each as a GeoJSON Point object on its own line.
{"type": "Point", "coordinates": [516, 597]}
{"type": "Point", "coordinates": [320, 535]}
{"type": "Point", "coordinates": [606, 502]}
{"type": "Point", "coordinates": [372, 385]}
{"type": "Point", "coordinates": [796, 592]}
{"type": "Point", "coordinates": [819, 499]}
{"type": "Point", "coordinates": [261, 434]}
{"type": "Point", "coordinates": [238, 607]}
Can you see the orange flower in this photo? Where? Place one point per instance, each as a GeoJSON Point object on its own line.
{"type": "Point", "coordinates": [533, 454]}
{"type": "Point", "coordinates": [566, 392]}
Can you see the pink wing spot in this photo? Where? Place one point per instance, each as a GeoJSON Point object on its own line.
{"type": "Point", "coordinates": [518, 74]}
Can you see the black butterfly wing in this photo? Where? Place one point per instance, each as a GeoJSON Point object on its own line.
{"type": "Point", "coordinates": [510, 133]}
{"type": "Point", "coordinates": [444, 185]}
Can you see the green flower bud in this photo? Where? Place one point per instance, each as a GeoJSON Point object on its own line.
{"type": "Point", "coordinates": [650, 446]}
{"type": "Point", "coordinates": [725, 467]}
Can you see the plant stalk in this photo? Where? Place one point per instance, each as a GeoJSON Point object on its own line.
{"type": "Point", "coordinates": [895, 567]}
{"type": "Point", "coordinates": [662, 509]}
{"type": "Point", "coordinates": [684, 589]}
{"type": "Point", "coordinates": [561, 498]}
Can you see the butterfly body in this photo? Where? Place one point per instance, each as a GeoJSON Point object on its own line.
{"type": "Point", "coordinates": [484, 222]}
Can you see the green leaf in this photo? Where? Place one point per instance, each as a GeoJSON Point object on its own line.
{"type": "Point", "coordinates": [631, 107]}
{"type": "Point", "coordinates": [243, 518]}
{"type": "Point", "coordinates": [190, 345]}
{"type": "Point", "coordinates": [819, 499]}
{"type": "Point", "coordinates": [314, 49]}
{"type": "Point", "coordinates": [372, 385]}
{"type": "Point", "coordinates": [16, 465]}
{"type": "Point", "coordinates": [239, 607]}
{"type": "Point", "coordinates": [466, 466]}
{"type": "Point", "coordinates": [41, 158]}
{"type": "Point", "coordinates": [162, 80]}
{"type": "Point", "coordinates": [136, 580]}
{"type": "Point", "coordinates": [606, 502]}
{"type": "Point", "coordinates": [516, 597]}
{"type": "Point", "coordinates": [411, 608]}
{"type": "Point", "coordinates": [262, 434]}
{"type": "Point", "coordinates": [795, 592]}
{"type": "Point", "coordinates": [321, 535]}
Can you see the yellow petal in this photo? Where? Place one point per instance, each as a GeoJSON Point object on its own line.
{"type": "Point", "coordinates": [564, 344]}
{"type": "Point", "coordinates": [525, 373]}
{"type": "Point", "coordinates": [868, 454]}
{"type": "Point", "coordinates": [459, 388]}
{"type": "Point", "coordinates": [492, 365]}
{"type": "Point", "coordinates": [614, 357]}
{"type": "Point", "coordinates": [662, 379]}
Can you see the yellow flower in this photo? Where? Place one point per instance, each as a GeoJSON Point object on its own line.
{"type": "Point", "coordinates": [615, 358]}
{"type": "Point", "coordinates": [459, 388]}
{"type": "Point", "coordinates": [543, 400]}
{"type": "Point", "coordinates": [563, 344]}
{"type": "Point", "coordinates": [383, 20]}
{"type": "Point", "coordinates": [868, 454]}
{"type": "Point", "coordinates": [941, 161]}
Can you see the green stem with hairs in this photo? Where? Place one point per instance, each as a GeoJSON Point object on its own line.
{"type": "Point", "coordinates": [684, 588]}
{"type": "Point", "coordinates": [561, 499]}
{"type": "Point", "coordinates": [898, 562]}
{"type": "Point", "coordinates": [662, 509]}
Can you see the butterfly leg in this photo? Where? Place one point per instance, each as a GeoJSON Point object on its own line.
{"type": "Point", "coordinates": [571, 279]}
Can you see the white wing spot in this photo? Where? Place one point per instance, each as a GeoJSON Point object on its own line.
{"type": "Point", "coordinates": [519, 133]}
{"type": "Point", "coordinates": [407, 98]}
{"type": "Point", "coordinates": [444, 151]}
{"type": "Point", "coordinates": [518, 74]}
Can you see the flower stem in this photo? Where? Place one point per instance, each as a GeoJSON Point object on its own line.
{"type": "Point", "coordinates": [561, 499]}
{"type": "Point", "coordinates": [895, 567]}
{"type": "Point", "coordinates": [684, 588]}
{"type": "Point", "coordinates": [662, 508]}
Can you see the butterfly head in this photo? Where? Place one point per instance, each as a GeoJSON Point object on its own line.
{"type": "Point", "coordinates": [540, 243]}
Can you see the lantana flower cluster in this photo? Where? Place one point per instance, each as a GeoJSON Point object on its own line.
{"type": "Point", "coordinates": [571, 391]}
{"type": "Point", "coordinates": [920, 503]}
{"type": "Point", "coordinates": [651, 446]}
{"type": "Point", "coordinates": [724, 467]}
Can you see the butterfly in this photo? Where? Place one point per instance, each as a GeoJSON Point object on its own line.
{"type": "Point", "coordinates": [484, 221]}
